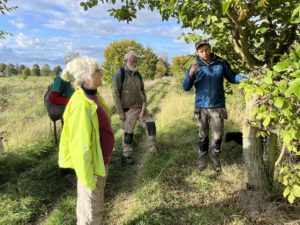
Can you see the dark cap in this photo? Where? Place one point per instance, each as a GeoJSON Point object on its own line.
{"type": "Point", "coordinates": [200, 43]}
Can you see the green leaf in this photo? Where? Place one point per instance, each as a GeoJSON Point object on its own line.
{"type": "Point", "coordinates": [214, 19]}
{"type": "Point", "coordinates": [268, 80]}
{"type": "Point", "coordinates": [267, 121]}
{"type": "Point", "coordinates": [286, 192]}
{"type": "Point", "coordinates": [262, 30]}
{"type": "Point", "coordinates": [294, 88]}
{"type": "Point", "coordinates": [278, 102]}
{"type": "Point", "coordinates": [274, 115]}
{"type": "Point", "coordinates": [294, 18]}
{"type": "Point", "coordinates": [285, 181]}
{"type": "Point", "coordinates": [226, 5]}
{"type": "Point", "coordinates": [259, 116]}
{"type": "Point", "coordinates": [282, 66]}
{"type": "Point", "coordinates": [295, 74]}
{"type": "Point", "coordinates": [291, 198]}
{"type": "Point", "coordinates": [259, 91]}
{"type": "Point", "coordinates": [254, 111]}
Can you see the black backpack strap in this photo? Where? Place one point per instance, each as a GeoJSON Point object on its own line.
{"type": "Point", "coordinates": [122, 77]}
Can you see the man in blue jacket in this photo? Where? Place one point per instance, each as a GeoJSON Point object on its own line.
{"type": "Point", "coordinates": [207, 75]}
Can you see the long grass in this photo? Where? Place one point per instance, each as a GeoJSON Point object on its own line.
{"type": "Point", "coordinates": [23, 117]}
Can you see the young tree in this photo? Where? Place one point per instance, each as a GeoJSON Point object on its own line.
{"type": "Point", "coordinates": [179, 66]}
{"type": "Point", "coordinates": [45, 71]}
{"type": "Point", "coordinates": [161, 68]}
{"type": "Point", "coordinates": [20, 68]}
{"type": "Point", "coordinates": [25, 73]}
{"type": "Point", "coordinates": [2, 67]}
{"type": "Point", "coordinates": [56, 70]}
{"type": "Point", "coordinates": [10, 70]}
{"type": "Point", "coordinates": [35, 70]}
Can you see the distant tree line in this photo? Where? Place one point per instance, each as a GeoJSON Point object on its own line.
{"type": "Point", "coordinates": [7, 70]}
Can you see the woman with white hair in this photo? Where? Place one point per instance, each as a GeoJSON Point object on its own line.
{"type": "Point", "coordinates": [87, 138]}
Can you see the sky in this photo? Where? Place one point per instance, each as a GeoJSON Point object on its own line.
{"type": "Point", "coordinates": [43, 31]}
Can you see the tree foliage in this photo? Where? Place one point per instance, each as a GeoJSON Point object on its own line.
{"type": "Point", "coordinates": [35, 70]}
{"type": "Point", "coordinates": [259, 30]}
{"type": "Point", "coordinates": [162, 68]}
{"type": "Point", "coordinates": [56, 70]}
{"type": "Point", "coordinates": [3, 9]}
{"type": "Point", "coordinates": [2, 67]}
{"type": "Point", "coordinates": [45, 71]}
{"type": "Point", "coordinates": [278, 111]}
{"type": "Point", "coordinates": [20, 68]}
{"type": "Point", "coordinates": [179, 66]}
{"type": "Point", "coordinates": [10, 70]}
{"type": "Point", "coordinates": [147, 63]}
{"type": "Point", "coordinates": [25, 73]}
{"type": "Point", "coordinates": [114, 58]}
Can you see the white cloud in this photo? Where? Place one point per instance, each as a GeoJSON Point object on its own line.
{"type": "Point", "coordinates": [54, 27]}
{"type": "Point", "coordinates": [19, 25]}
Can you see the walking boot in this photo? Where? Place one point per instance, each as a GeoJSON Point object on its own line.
{"type": "Point", "coordinates": [153, 147]}
{"type": "Point", "coordinates": [216, 160]}
{"type": "Point", "coordinates": [202, 164]}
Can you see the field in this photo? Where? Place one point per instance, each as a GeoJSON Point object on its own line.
{"type": "Point", "coordinates": [164, 188]}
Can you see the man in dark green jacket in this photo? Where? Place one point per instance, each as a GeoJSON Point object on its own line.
{"type": "Point", "coordinates": [131, 101]}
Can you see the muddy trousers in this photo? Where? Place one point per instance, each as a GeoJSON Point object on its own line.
{"type": "Point", "coordinates": [90, 203]}
{"type": "Point", "coordinates": [213, 120]}
{"type": "Point", "coordinates": [147, 122]}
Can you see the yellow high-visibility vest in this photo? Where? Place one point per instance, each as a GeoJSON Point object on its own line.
{"type": "Point", "coordinates": [79, 146]}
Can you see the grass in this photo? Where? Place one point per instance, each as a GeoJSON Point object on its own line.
{"type": "Point", "coordinates": [164, 188]}
{"type": "Point", "coordinates": [170, 189]}
{"type": "Point", "coordinates": [30, 183]}
{"type": "Point", "coordinates": [23, 116]}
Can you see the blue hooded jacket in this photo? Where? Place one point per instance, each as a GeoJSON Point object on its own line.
{"type": "Point", "coordinates": [208, 81]}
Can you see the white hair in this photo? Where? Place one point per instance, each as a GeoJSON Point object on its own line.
{"type": "Point", "coordinates": [70, 56]}
{"type": "Point", "coordinates": [130, 54]}
{"type": "Point", "coordinates": [80, 69]}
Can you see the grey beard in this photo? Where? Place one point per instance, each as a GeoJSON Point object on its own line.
{"type": "Point", "coordinates": [132, 69]}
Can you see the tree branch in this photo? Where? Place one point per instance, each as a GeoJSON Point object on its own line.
{"type": "Point", "coordinates": [283, 148]}
{"type": "Point", "coordinates": [240, 42]}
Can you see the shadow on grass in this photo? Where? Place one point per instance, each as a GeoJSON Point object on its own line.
{"type": "Point", "coordinates": [13, 164]}
{"type": "Point", "coordinates": [176, 160]}
{"type": "Point", "coordinates": [213, 214]}
{"type": "Point", "coordinates": [31, 183]}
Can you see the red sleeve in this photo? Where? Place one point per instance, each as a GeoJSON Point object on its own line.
{"type": "Point", "coordinates": [56, 98]}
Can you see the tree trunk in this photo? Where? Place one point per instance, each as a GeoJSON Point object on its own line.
{"type": "Point", "coordinates": [257, 184]}
{"type": "Point", "coordinates": [271, 156]}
